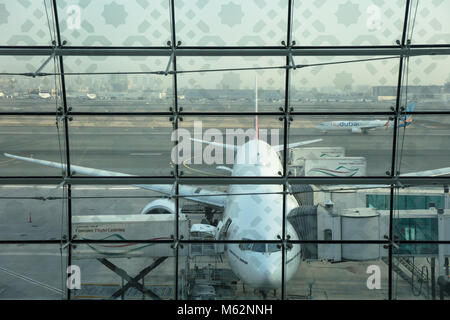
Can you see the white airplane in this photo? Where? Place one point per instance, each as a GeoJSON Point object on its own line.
{"type": "Point", "coordinates": [246, 217]}
{"type": "Point", "coordinates": [363, 126]}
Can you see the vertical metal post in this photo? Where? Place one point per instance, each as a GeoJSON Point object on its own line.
{"type": "Point", "coordinates": [66, 134]}
{"type": "Point", "coordinates": [175, 127]}
{"type": "Point", "coordinates": [393, 172]}
{"type": "Point", "coordinates": [433, 278]}
{"type": "Point", "coordinates": [286, 121]}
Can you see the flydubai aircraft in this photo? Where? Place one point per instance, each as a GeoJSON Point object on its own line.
{"type": "Point", "coordinates": [247, 215]}
{"type": "Point", "coordinates": [363, 126]}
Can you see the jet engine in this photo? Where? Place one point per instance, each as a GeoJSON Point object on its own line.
{"type": "Point", "coordinates": [159, 206]}
{"type": "Point", "coordinates": [356, 130]}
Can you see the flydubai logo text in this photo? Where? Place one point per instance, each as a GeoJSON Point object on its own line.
{"type": "Point", "coordinates": [220, 146]}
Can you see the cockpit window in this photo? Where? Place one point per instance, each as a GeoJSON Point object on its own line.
{"type": "Point", "coordinates": [273, 247]}
{"type": "Point", "coordinates": [259, 247]}
{"type": "Point", "coordinates": [245, 246]}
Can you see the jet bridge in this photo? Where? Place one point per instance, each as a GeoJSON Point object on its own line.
{"type": "Point", "coordinates": [326, 222]}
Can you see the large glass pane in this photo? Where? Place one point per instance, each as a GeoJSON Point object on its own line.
{"type": "Point", "coordinates": [150, 265]}
{"type": "Point", "coordinates": [124, 212]}
{"type": "Point", "coordinates": [31, 137]}
{"type": "Point", "coordinates": [343, 22]}
{"type": "Point", "coordinates": [32, 272]}
{"type": "Point", "coordinates": [334, 213]}
{"type": "Point", "coordinates": [243, 271]}
{"type": "Point", "coordinates": [342, 272]}
{"type": "Point", "coordinates": [421, 214]}
{"type": "Point", "coordinates": [253, 212]}
{"type": "Point", "coordinates": [351, 146]}
{"type": "Point", "coordinates": [429, 24]}
{"type": "Point", "coordinates": [231, 23]}
{"type": "Point", "coordinates": [32, 212]}
{"type": "Point", "coordinates": [420, 275]}
{"type": "Point", "coordinates": [230, 91]}
{"type": "Point", "coordinates": [128, 145]}
{"type": "Point", "coordinates": [423, 145]}
{"type": "Point", "coordinates": [235, 146]}
{"type": "Point", "coordinates": [28, 23]}
{"type": "Point", "coordinates": [365, 86]}
{"type": "Point", "coordinates": [116, 23]}
{"type": "Point", "coordinates": [118, 91]}
{"type": "Point", "coordinates": [428, 83]}
{"type": "Point", "coordinates": [24, 93]}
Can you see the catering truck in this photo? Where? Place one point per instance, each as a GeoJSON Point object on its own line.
{"type": "Point", "coordinates": [298, 156]}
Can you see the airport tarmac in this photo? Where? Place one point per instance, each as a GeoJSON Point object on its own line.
{"type": "Point", "coordinates": [143, 147]}
{"type": "Point", "coordinates": [37, 272]}
{"type": "Point", "coordinates": [30, 271]}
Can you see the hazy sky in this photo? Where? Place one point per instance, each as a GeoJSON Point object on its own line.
{"type": "Point", "coordinates": [233, 22]}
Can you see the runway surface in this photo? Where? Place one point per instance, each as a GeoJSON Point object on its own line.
{"type": "Point", "coordinates": [143, 146]}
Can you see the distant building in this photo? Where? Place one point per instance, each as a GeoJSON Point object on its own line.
{"type": "Point", "coordinates": [431, 91]}
{"type": "Point", "coordinates": [118, 82]}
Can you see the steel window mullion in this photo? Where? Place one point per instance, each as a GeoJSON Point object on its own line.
{"type": "Point", "coordinates": [414, 50]}
{"type": "Point", "coordinates": [393, 172]}
{"type": "Point", "coordinates": [286, 121]}
{"type": "Point", "coordinates": [66, 134]}
{"type": "Point", "coordinates": [77, 241]}
{"type": "Point", "coordinates": [380, 182]}
{"type": "Point", "coordinates": [175, 127]}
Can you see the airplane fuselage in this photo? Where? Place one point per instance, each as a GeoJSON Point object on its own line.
{"type": "Point", "coordinates": [256, 214]}
{"type": "Point", "coordinates": [353, 126]}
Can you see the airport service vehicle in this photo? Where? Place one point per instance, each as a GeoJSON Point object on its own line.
{"type": "Point", "coordinates": [299, 154]}
{"type": "Point", "coordinates": [363, 126]}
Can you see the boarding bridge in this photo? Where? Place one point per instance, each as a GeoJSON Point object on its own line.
{"type": "Point", "coordinates": [362, 224]}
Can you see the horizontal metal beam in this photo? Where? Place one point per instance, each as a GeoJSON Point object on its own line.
{"type": "Point", "coordinates": [225, 51]}
{"type": "Point", "coordinates": [369, 181]}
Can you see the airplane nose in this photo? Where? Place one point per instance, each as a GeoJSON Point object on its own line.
{"type": "Point", "coordinates": [270, 275]}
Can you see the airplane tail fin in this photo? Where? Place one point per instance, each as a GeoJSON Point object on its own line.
{"type": "Point", "coordinates": [406, 119]}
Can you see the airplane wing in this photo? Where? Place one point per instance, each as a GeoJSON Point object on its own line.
{"type": "Point", "coordinates": [428, 173]}
{"type": "Point", "coordinates": [276, 148]}
{"type": "Point", "coordinates": [295, 144]}
{"type": "Point", "coordinates": [197, 194]}
{"type": "Point", "coordinates": [425, 173]}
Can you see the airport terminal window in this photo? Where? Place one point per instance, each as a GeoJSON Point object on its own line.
{"type": "Point", "coordinates": [114, 154]}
